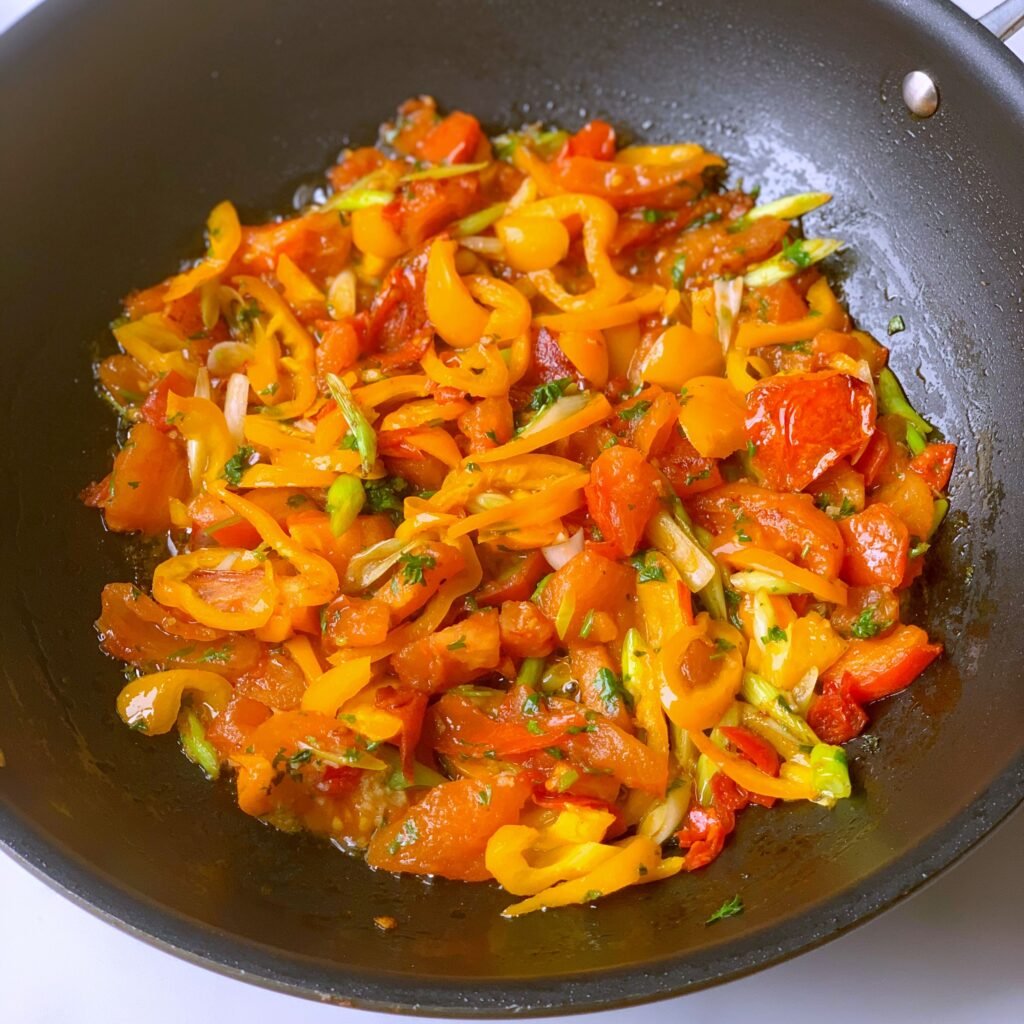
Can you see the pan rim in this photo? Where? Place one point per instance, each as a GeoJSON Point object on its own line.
{"type": "Point", "coordinates": [1003, 76]}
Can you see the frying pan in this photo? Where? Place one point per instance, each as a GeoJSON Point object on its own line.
{"type": "Point", "coordinates": [123, 124]}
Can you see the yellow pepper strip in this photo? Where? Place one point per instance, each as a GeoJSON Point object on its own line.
{"type": "Point", "coordinates": [600, 319]}
{"type": "Point", "coordinates": [537, 170]}
{"type": "Point", "coordinates": [373, 234]}
{"type": "Point", "coordinates": [437, 442]}
{"type": "Point", "coordinates": [480, 371]}
{"type": "Point", "coordinates": [422, 413]}
{"type": "Point", "coordinates": [171, 589]}
{"type": "Point", "coordinates": [302, 653]}
{"type": "Point", "coordinates": [702, 311]}
{"type": "Point", "coordinates": [587, 351]}
{"type": "Point", "coordinates": [532, 243]}
{"type": "Point", "coordinates": [262, 368]}
{"type": "Point", "coordinates": [393, 389]}
{"type": "Point", "coordinates": [299, 290]}
{"type": "Point", "coordinates": [432, 615]}
{"type": "Point", "coordinates": [526, 538]}
{"type": "Point", "coordinates": [199, 420]}
{"type": "Point", "coordinates": [511, 313]}
{"type": "Point", "coordinates": [225, 234]}
{"type": "Point", "coordinates": [661, 615]}
{"type": "Point", "coordinates": [329, 691]}
{"type": "Point", "coordinates": [317, 580]}
{"type": "Point", "coordinates": [574, 825]}
{"type": "Point", "coordinates": [693, 705]}
{"type": "Point", "coordinates": [535, 473]}
{"type": "Point", "coordinates": [557, 499]}
{"type": "Point", "coordinates": [758, 558]}
{"type": "Point", "coordinates": [152, 342]}
{"type": "Point", "coordinates": [599, 223]}
{"type": "Point", "coordinates": [420, 516]}
{"type": "Point", "coordinates": [456, 316]}
{"type": "Point", "coordinates": [519, 354]}
{"type": "Point", "coordinates": [262, 475]}
{"type": "Point", "coordinates": [737, 370]}
{"type": "Point", "coordinates": [743, 773]}
{"type": "Point", "coordinates": [825, 314]}
{"type": "Point", "coordinates": [340, 460]}
{"type": "Point", "coordinates": [641, 682]}
{"type": "Point", "coordinates": [151, 703]}
{"type": "Point", "coordinates": [632, 861]}
{"type": "Point", "coordinates": [506, 859]}
{"type": "Point", "coordinates": [659, 156]}
{"type": "Point", "coordinates": [595, 411]}
{"type": "Point", "coordinates": [361, 714]}
{"type": "Point", "coordinates": [299, 362]}
{"type": "Point", "coordinates": [268, 433]}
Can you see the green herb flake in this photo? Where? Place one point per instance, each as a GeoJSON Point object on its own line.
{"type": "Point", "coordinates": [867, 625]}
{"type": "Point", "coordinates": [413, 568]}
{"type": "Point", "coordinates": [896, 325]}
{"type": "Point", "coordinates": [237, 465]}
{"type": "Point", "coordinates": [483, 796]}
{"type": "Point", "coordinates": [635, 411]}
{"type": "Point", "coordinates": [775, 635]}
{"type": "Point", "coordinates": [548, 394]}
{"type": "Point", "coordinates": [592, 894]}
{"type": "Point", "coordinates": [587, 624]}
{"type": "Point", "coordinates": [795, 252]}
{"type": "Point", "coordinates": [457, 645]}
{"type": "Point", "coordinates": [730, 908]}
{"type": "Point", "coordinates": [611, 691]}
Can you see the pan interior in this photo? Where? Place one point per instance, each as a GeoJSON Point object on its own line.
{"type": "Point", "coordinates": [124, 125]}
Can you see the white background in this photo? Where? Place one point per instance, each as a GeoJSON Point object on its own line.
{"type": "Point", "coordinates": [951, 954]}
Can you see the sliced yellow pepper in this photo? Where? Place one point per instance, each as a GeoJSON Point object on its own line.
{"type": "Point", "coordinates": [151, 703]}
{"type": "Point", "coordinates": [156, 345]}
{"type": "Point", "coordinates": [331, 689]}
{"type": "Point", "coordinates": [746, 775]}
{"type": "Point", "coordinates": [506, 859]}
{"type": "Point", "coordinates": [825, 314]}
{"type": "Point", "coordinates": [201, 421]}
{"type": "Point", "coordinates": [824, 589]}
{"type": "Point", "coordinates": [479, 370]}
{"type": "Point", "coordinates": [456, 316]}
{"type": "Point", "coordinates": [225, 234]}
{"type": "Point", "coordinates": [511, 312]}
{"type": "Point", "coordinates": [299, 290]}
{"type": "Point", "coordinates": [627, 312]}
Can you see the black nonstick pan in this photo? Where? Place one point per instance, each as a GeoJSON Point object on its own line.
{"type": "Point", "coordinates": [121, 124]}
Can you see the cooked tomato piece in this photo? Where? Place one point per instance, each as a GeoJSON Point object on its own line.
{"type": "Point", "coordinates": [595, 139]}
{"type": "Point", "coordinates": [588, 582]}
{"type": "Point", "coordinates": [453, 656]}
{"type": "Point", "coordinates": [759, 752]}
{"type": "Point", "coordinates": [424, 207]}
{"type": "Point", "coordinates": [356, 621]}
{"type": "Point", "coordinates": [453, 140]}
{"type": "Point", "coordinates": [338, 348]}
{"type": "Point", "coordinates": [275, 680]}
{"type": "Point", "coordinates": [446, 833]}
{"type": "Point", "coordinates": [513, 578]}
{"type": "Point", "coordinates": [789, 524]}
{"type": "Point", "coordinates": [877, 543]}
{"type": "Point", "coordinates": [154, 409]}
{"type": "Point", "coordinates": [409, 706]}
{"type": "Point", "coordinates": [487, 423]}
{"type": "Point", "coordinates": [801, 424]}
{"type": "Point", "coordinates": [213, 522]}
{"type": "Point", "coordinates": [935, 465]}
{"type": "Point", "coordinates": [868, 612]}
{"type": "Point", "coordinates": [687, 470]}
{"type": "Point", "coordinates": [836, 717]}
{"type": "Point", "coordinates": [599, 685]}
{"type": "Point", "coordinates": [417, 578]}
{"type": "Point", "coordinates": [622, 496]}
{"type": "Point", "coordinates": [231, 730]}
{"type": "Point", "coordinates": [525, 632]}
{"type": "Point", "coordinates": [148, 472]}
{"type": "Point", "coordinates": [839, 489]}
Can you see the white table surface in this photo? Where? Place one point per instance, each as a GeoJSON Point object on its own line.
{"type": "Point", "coordinates": [954, 953]}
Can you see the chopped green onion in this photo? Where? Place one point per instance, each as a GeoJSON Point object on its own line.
{"type": "Point", "coordinates": [358, 199]}
{"type": "Point", "coordinates": [939, 510]}
{"type": "Point", "coordinates": [530, 672]}
{"type": "Point", "coordinates": [587, 625]}
{"type": "Point", "coordinates": [198, 749]}
{"type": "Point", "coordinates": [345, 500]}
{"type": "Point", "coordinates": [915, 439]}
{"type": "Point", "coordinates": [790, 207]}
{"type": "Point", "coordinates": [830, 775]}
{"type": "Point", "coordinates": [753, 580]}
{"type": "Point", "coordinates": [706, 771]}
{"type": "Point", "coordinates": [664, 817]}
{"type": "Point", "coordinates": [896, 325]}
{"type": "Point", "coordinates": [790, 261]}
{"type": "Point", "coordinates": [892, 399]}
{"type": "Point", "coordinates": [673, 536]}
{"type": "Point", "coordinates": [366, 438]}
{"type": "Point", "coordinates": [479, 221]}
{"type": "Point", "coordinates": [443, 171]}
{"type": "Point", "coordinates": [772, 702]}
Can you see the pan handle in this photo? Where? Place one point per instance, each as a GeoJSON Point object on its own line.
{"type": "Point", "coordinates": [1004, 19]}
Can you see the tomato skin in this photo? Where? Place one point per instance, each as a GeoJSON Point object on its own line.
{"type": "Point", "coordinates": [622, 496]}
{"type": "Point", "coordinates": [338, 348]}
{"type": "Point", "coordinates": [405, 596]}
{"type": "Point", "coordinates": [452, 140]}
{"type": "Point", "coordinates": [549, 362]}
{"type": "Point", "coordinates": [410, 707]}
{"type": "Point", "coordinates": [789, 524]}
{"type": "Point", "coordinates": [595, 139]}
{"type": "Point", "coordinates": [424, 207]}
{"type": "Point", "coordinates": [450, 657]}
{"type": "Point", "coordinates": [487, 423]}
{"type": "Point", "coordinates": [935, 465]}
{"type": "Point", "coordinates": [446, 833]}
{"type": "Point", "coordinates": [803, 423]}
{"type": "Point", "coordinates": [872, 669]}
{"type": "Point", "coordinates": [877, 543]}
{"type": "Point", "coordinates": [757, 751]}
{"type": "Point", "coordinates": [515, 582]}
{"type": "Point", "coordinates": [836, 717]}
{"type": "Point", "coordinates": [875, 457]}
{"type": "Point", "coordinates": [213, 521]}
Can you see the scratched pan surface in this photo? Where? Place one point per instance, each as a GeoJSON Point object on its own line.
{"type": "Point", "coordinates": [124, 123]}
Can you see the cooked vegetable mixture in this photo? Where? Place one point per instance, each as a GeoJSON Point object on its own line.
{"type": "Point", "coordinates": [532, 507]}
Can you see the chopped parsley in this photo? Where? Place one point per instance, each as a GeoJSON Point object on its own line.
{"type": "Point", "coordinates": [414, 566]}
{"type": "Point", "coordinates": [407, 835]}
{"type": "Point", "coordinates": [896, 325]}
{"type": "Point", "coordinates": [483, 796]}
{"type": "Point", "coordinates": [548, 394]}
{"type": "Point", "coordinates": [592, 894]}
{"type": "Point", "coordinates": [635, 411]}
{"type": "Point", "coordinates": [655, 216]}
{"type": "Point", "coordinates": [867, 625]}
{"type": "Point", "coordinates": [587, 624]}
{"type": "Point", "coordinates": [219, 655]}
{"type": "Point", "coordinates": [775, 635]}
{"type": "Point", "coordinates": [678, 271]}
{"type": "Point", "coordinates": [534, 727]}
{"type": "Point", "coordinates": [730, 908]}
{"type": "Point", "coordinates": [722, 648]}
{"type": "Point", "coordinates": [457, 645]}
{"type": "Point", "coordinates": [385, 496]}
{"type": "Point", "coordinates": [611, 691]}
{"type": "Point", "coordinates": [645, 571]}
{"type": "Point", "coordinates": [237, 465]}
{"type": "Point", "coordinates": [705, 218]}
{"type": "Point", "coordinates": [795, 252]}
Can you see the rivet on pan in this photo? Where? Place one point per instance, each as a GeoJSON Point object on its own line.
{"type": "Point", "coordinates": [920, 94]}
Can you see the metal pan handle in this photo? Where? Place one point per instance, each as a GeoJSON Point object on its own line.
{"type": "Point", "coordinates": [1005, 19]}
